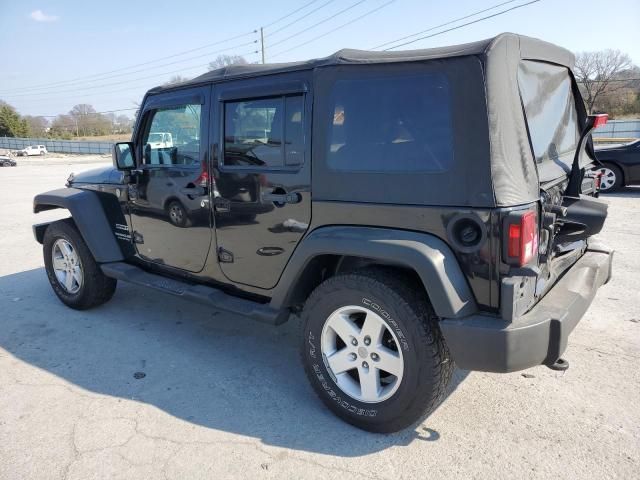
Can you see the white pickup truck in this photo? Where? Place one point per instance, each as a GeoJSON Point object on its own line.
{"type": "Point", "coordinates": [32, 150]}
{"type": "Point", "coordinates": [160, 140]}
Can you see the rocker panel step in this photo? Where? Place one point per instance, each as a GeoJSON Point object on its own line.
{"type": "Point", "coordinates": [200, 293]}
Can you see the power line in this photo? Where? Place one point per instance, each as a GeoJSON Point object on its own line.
{"type": "Point", "coordinates": [318, 23]}
{"type": "Point", "coordinates": [289, 14]}
{"type": "Point", "coordinates": [336, 28]}
{"type": "Point", "coordinates": [443, 24]}
{"type": "Point", "coordinates": [59, 87]}
{"type": "Point", "coordinates": [298, 19]}
{"type": "Point", "coordinates": [89, 113]}
{"type": "Point", "coordinates": [83, 78]}
{"type": "Point", "coordinates": [135, 65]}
{"type": "Point", "coordinates": [91, 87]}
{"type": "Point", "coordinates": [144, 86]}
{"type": "Point", "coordinates": [142, 69]}
{"type": "Point", "coordinates": [502, 12]}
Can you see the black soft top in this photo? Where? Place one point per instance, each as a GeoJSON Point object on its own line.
{"type": "Point", "coordinates": [511, 174]}
{"type": "Point", "coordinates": [528, 48]}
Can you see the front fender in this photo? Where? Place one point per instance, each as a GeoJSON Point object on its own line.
{"type": "Point", "coordinates": [427, 255]}
{"type": "Point", "coordinates": [88, 215]}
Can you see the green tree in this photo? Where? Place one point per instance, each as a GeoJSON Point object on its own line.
{"type": "Point", "coordinates": [11, 124]}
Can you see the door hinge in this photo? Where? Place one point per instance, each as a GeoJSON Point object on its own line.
{"type": "Point", "coordinates": [224, 256]}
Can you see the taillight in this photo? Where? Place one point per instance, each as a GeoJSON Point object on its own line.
{"type": "Point", "coordinates": [522, 237]}
{"type": "Point", "coordinates": [203, 178]}
{"type": "Point", "coordinates": [600, 120]}
{"type": "Point", "coordinates": [598, 180]}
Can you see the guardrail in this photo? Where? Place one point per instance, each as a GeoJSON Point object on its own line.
{"type": "Point", "coordinates": [59, 146]}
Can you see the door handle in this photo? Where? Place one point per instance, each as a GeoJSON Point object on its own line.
{"type": "Point", "coordinates": [282, 198]}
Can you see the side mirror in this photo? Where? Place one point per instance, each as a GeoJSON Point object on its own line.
{"type": "Point", "coordinates": [123, 156]}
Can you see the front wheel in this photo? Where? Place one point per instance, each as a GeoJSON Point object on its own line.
{"type": "Point", "coordinates": [372, 350]}
{"type": "Point", "coordinates": [73, 273]}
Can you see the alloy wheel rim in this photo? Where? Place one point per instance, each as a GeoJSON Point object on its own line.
{"type": "Point", "coordinates": [608, 178]}
{"type": "Point", "coordinates": [362, 354]}
{"type": "Point", "coordinates": [176, 214]}
{"type": "Point", "coordinates": [67, 266]}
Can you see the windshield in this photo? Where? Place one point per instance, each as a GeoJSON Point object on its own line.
{"type": "Point", "coordinates": [551, 114]}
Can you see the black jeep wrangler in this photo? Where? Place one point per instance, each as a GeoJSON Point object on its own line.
{"type": "Point", "coordinates": [420, 209]}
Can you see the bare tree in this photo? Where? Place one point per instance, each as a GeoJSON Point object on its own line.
{"type": "Point", "coordinates": [596, 70]}
{"type": "Point", "coordinates": [226, 60]}
{"type": "Point", "coordinates": [38, 126]}
{"type": "Point", "coordinates": [88, 122]}
{"type": "Point", "coordinates": [175, 80]}
{"type": "Point", "coordinates": [124, 124]}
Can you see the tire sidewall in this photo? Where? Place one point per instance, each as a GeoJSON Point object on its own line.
{"type": "Point", "coordinates": [393, 312]}
{"type": "Point", "coordinates": [49, 241]}
{"type": "Point", "coordinates": [184, 222]}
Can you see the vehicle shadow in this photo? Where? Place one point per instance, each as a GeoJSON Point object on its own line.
{"type": "Point", "coordinates": [210, 368]}
{"type": "Point", "coordinates": [625, 192]}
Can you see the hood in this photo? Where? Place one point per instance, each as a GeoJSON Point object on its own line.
{"type": "Point", "coordinates": [96, 175]}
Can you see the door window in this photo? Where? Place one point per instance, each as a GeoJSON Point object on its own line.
{"type": "Point", "coordinates": [173, 136]}
{"type": "Point", "coordinates": [264, 133]}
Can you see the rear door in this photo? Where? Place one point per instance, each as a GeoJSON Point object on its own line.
{"type": "Point", "coordinates": [548, 93]}
{"type": "Point", "coordinates": [261, 185]}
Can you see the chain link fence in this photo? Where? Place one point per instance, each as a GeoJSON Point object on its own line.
{"type": "Point", "coordinates": [618, 129]}
{"type": "Point", "coordinates": [59, 146]}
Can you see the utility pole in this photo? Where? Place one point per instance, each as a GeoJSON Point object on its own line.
{"type": "Point", "coordinates": [262, 42]}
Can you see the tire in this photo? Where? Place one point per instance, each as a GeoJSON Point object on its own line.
{"type": "Point", "coordinates": [94, 288]}
{"type": "Point", "coordinates": [612, 178]}
{"type": "Point", "coordinates": [178, 214]}
{"type": "Point", "coordinates": [376, 294]}
{"type": "Point", "coordinates": [42, 153]}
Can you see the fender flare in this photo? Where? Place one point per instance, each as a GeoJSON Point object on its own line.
{"type": "Point", "coordinates": [427, 255]}
{"type": "Point", "coordinates": [88, 215]}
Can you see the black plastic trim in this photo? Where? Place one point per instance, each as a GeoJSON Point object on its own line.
{"type": "Point", "coordinates": [427, 255]}
{"type": "Point", "coordinates": [88, 215]}
{"type": "Point", "coordinates": [490, 344]}
{"type": "Point", "coordinates": [195, 292]}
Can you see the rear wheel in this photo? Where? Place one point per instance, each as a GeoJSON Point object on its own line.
{"type": "Point", "coordinates": [372, 350]}
{"type": "Point", "coordinates": [611, 179]}
{"type": "Point", "coordinates": [42, 153]}
{"type": "Point", "coordinates": [73, 273]}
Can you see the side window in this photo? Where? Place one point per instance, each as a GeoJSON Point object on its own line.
{"type": "Point", "coordinates": [390, 124]}
{"type": "Point", "coordinates": [264, 133]}
{"type": "Point", "coordinates": [173, 136]}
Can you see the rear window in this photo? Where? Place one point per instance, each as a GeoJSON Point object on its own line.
{"type": "Point", "coordinates": [391, 124]}
{"type": "Point", "coordinates": [550, 110]}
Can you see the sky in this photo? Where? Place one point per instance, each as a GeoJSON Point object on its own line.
{"type": "Point", "coordinates": [56, 54]}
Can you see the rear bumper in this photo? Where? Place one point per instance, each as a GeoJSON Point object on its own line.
{"type": "Point", "coordinates": [482, 342]}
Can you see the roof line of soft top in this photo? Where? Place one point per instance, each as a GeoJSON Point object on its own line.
{"type": "Point", "coordinates": [527, 47]}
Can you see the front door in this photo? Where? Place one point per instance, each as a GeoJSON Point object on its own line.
{"type": "Point", "coordinates": [169, 204]}
{"type": "Point", "coordinates": [261, 187]}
